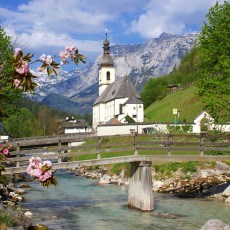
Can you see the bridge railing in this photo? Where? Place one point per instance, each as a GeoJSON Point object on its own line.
{"type": "Point", "coordinates": [78, 147]}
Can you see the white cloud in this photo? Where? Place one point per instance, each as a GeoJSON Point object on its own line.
{"type": "Point", "coordinates": [172, 16]}
{"type": "Point", "coordinates": [56, 23]}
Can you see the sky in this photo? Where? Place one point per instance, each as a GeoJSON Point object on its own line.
{"type": "Point", "coordinates": [48, 26]}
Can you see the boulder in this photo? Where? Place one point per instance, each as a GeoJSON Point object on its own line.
{"type": "Point", "coordinates": [104, 181]}
{"type": "Point", "coordinates": [208, 173]}
{"type": "Point", "coordinates": [222, 166]}
{"type": "Point", "coordinates": [157, 185]}
{"type": "Point", "coordinates": [28, 214]}
{"type": "Point", "coordinates": [226, 192]}
{"type": "Point", "coordinates": [24, 186]}
{"type": "Point", "coordinates": [215, 224]}
{"type": "Point", "coordinates": [227, 200]}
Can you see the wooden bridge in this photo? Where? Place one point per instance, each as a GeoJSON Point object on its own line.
{"type": "Point", "coordinates": [139, 150]}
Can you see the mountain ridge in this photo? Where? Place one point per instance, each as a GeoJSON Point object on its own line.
{"type": "Point", "coordinates": [140, 62]}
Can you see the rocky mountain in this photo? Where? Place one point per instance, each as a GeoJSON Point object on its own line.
{"type": "Point", "coordinates": [140, 62]}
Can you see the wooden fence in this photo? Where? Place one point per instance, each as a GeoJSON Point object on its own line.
{"type": "Point", "coordinates": [59, 147]}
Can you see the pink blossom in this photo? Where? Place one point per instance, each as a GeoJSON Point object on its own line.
{"type": "Point", "coordinates": [5, 151]}
{"type": "Point", "coordinates": [43, 57]}
{"type": "Point", "coordinates": [35, 160]}
{"type": "Point", "coordinates": [72, 48]}
{"type": "Point", "coordinates": [16, 51]}
{"type": "Point", "coordinates": [37, 172]}
{"type": "Point", "coordinates": [48, 60]}
{"type": "Point", "coordinates": [17, 83]}
{"type": "Point", "coordinates": [67, 48]}
{"type": "Point", "coordinates": [34, 169]}
{"type": "Point", "coordinates": [64, 54]}
{"type": "Point", "coordinates": [48, 163]}
{"type": "Point", "coordinates": [24, 68]}
{"type": "Point", "coordinates": [73, 56]}
{"type": "Point", "coordinates": [1, 145]}
{"type": "Point", "coordinates": [45, 176]}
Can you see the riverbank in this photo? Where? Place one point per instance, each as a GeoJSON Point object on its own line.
{"type": "Point", "coordinates": [202, 180]}
{"type": "Point", "coordinates": [12, 215]}
{"type": "Point", "coordinates": [209, 180]}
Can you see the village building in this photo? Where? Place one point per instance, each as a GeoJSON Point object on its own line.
{"type": "Point", "coordinates": [72, 125]}
{"type": "Point", "coordinates": [118, 99]}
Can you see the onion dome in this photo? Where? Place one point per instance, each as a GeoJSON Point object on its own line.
{"type": "Point", "coordinates": [106, 59]}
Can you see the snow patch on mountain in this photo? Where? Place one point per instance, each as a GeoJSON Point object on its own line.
{"type": "Point", "coordinates": [140, 62]}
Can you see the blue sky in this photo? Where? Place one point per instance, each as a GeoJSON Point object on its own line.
{"type": "Point", "coordinates": [47, 26]}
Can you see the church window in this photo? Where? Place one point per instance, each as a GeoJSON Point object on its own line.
{"type": "Point", "coordinates": [108, 76]}
{"type": "Point", "coordinates": [134, 116]}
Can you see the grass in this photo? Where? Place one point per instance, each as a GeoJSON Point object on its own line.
{"type": "Point", "coordinates": [185, 99]}
{"type": "Point", "coordinates": [167, 169]}
{"type": "Point", "coordinates": [111, 144]}
{"type": "Point", "coordinates": [6, 220]}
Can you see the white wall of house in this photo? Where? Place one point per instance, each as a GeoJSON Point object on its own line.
{"type": "Point", "coordinates": [105, 130]}
{"type": "Point", "coordinates": [122, 129]}
{"type": "Point", "coordinates": [77, 130]}
{"type": "Point", "coordinates": [222, 128]}
{"type": "Point", "coordinates": [125, 129]}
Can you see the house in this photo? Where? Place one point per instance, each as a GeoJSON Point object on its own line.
{"type": "Point", "coordinates": [72, 125]}
{"type": "Point", "coordinates": [117, 98]}
{"type": "Point", "coordinates": [204, 122]}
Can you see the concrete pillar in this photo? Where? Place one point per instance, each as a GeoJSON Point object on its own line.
{"type": "Point", "coordinates": [140, 194]}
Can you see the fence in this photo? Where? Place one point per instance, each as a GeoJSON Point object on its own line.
{"type": "Point", "coordinates": [96, 147]}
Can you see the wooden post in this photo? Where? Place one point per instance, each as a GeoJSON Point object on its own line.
{"type": "Point", "coordinates": [18, 155]}
{"type": "Point", "coordinates": [140, 194]}
{"type": "Point", "coordinates": [59, 146]}
{"type": "Point", "coordinates": [201, 145]}
{"type": "Point", "coordinates": [169, 139]}
{"type": "Point", "coordinates": [99, 148]}
{"type": "Point", "coordinates": [135, 143]}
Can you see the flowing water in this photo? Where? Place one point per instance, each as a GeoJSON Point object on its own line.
{"type": "Point", "coordinates": [80, 203]}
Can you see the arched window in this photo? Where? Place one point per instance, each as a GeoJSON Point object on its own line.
{"type": "Point", "coordinates": [108, 76]}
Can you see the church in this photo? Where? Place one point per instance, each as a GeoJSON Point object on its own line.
{"type": "Point", "coordinates": [118, 100]}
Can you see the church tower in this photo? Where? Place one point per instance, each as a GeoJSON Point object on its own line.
{"type": "Point", "coordinates": [107, 69]}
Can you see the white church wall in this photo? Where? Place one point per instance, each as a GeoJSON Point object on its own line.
{"type": "Point", "coordinates": [103, 82]}
{"type": "Point", "coordinates": [109, 111]}
{"type": "Point", "coordinates": [119, 102]}
{"type": "Point", "coordinates": [135, 111]}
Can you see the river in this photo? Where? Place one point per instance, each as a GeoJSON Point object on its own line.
{"type": "Point", "coordinates": [82, 204]}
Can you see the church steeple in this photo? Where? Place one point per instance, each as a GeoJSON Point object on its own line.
{"type": "Point", "coordinates": [106, 70]}
{"type": "Point", "coordinates": [106, 59]}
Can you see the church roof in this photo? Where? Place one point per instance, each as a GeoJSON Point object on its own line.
{"type": "Point", "coordinates": [121, 88]}
{"type": "Point", "coordinates": [113, 121]}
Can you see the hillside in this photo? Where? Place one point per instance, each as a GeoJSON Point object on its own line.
{"type": "Point", "coordinates": [186, 100]}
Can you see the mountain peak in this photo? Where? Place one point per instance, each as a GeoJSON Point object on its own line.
{"type": "Point", "coordinates": [140, 62]}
